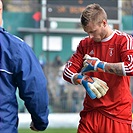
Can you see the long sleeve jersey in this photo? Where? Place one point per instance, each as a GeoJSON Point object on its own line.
{"type": "Point", "coordinates": [19, 68]}
{"type": "Point", "coordinates": [118, 47]}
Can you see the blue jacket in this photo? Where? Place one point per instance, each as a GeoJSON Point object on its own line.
{"type": "Point", "coordinates": [20, 68]}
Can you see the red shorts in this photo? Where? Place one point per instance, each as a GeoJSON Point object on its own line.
{"type": "Point", "coordinates": [95, 122]}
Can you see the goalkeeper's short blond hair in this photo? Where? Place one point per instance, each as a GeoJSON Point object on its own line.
{"type": "Point", "coordinates": [93, 13]}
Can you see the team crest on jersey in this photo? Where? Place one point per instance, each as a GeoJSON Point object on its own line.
{"type": "Point", "coordinates": [111, 51]}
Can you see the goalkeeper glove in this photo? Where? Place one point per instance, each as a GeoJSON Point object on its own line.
{"type": "Point", "coordinates": [93, 86]}
{"type": "Point", "coordinates": [92, 64]}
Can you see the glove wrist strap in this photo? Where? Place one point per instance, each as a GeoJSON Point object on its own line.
{"type": "Point", "coordinates": [79, 79]}
{"type": "Point", "coordinates": [100, 66]}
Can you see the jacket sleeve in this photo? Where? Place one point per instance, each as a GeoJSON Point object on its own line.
{"type": "Point", "coordinates": [32, 85]}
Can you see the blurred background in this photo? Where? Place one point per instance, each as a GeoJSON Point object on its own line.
{"type": "Point", "coordinates": [52, 29]}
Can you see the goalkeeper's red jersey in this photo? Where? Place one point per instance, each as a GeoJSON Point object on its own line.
{"type": "Point", "coordinates": [118, 47]}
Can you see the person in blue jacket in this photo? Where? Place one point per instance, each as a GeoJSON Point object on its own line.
{"type": "Point", "coordinates": [19, 68]}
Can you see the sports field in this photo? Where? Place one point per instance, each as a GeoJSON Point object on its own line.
{"type": "Point", "coordinates": [50, 130]}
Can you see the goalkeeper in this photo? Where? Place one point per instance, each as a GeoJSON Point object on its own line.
{"type": "Point", "coordinates": [102, 64]}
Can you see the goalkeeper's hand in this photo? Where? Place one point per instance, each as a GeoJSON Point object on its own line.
{"type": "Point", "coordinates": [92, 64]}
{"type": "Point", "coordinates": [93, 86]}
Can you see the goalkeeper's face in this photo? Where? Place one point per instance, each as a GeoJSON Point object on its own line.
{"type": "Point", "coordinates": [96, 31]}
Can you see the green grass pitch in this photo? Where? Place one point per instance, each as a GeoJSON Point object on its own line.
{"type": "Point", "coordinates": [51, 130]}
